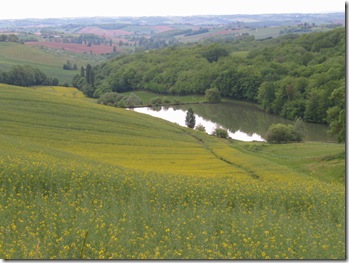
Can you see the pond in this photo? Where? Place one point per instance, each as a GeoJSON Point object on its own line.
{"type": "Point", "coordinates": [244, 121]}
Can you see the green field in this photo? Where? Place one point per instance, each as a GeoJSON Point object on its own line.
{"type": "Point", "coordinates": [49, 61]}
{"type": "Point", "coordinates": [81, 180]}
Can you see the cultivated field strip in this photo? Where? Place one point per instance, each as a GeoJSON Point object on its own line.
{"type": "Point", "coordinates": [114, 136]}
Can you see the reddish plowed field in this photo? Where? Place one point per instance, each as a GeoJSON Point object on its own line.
{"type": "Point", "coordinates": [163, 28]}
{"type": "Point", "coordinates": [103, 32]}
{"type": "Point", "coordinates": [78, 48]}
{"type": "Point", "coordinates": [224, 32]}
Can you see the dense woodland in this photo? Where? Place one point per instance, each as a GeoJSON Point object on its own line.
{"type": "Point", "coordinates": [293, 75]}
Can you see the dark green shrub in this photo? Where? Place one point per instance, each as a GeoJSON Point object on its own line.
{"type": "Point", "coordinates": [281, 133]}
{"type": "Point", "coordinates": [200, 127]}
{"type": "Point", "coordinates": [156, 101]}
{"type": "Point", "coordinates": [110, 98]}
{"type": "Point", "coordinates": [220, 132]}
{"type": "Point", "coordinates": [132, 100]}
{"type": "Point", "coordinates": [167, 101]}
{"type": "Point", "coordinates": [213, 95]}
{"type": "Point", "coordinates": [190, 119]}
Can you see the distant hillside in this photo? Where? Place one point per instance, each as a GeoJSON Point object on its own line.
{"type": "Point", "coordinates": [49, 61]}
{"type": "Point", "coordinates": [132, 34]}
{"type": "Point", "coordinates": [291, 75]}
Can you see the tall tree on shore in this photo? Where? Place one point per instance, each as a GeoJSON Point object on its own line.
{"type": "Point", "coordinates": [190, 119]}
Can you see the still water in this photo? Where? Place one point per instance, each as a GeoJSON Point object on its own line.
{"type": "Point", "coordinates": [243, 121]}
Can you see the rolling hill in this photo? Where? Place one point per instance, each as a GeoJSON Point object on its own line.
{"type": "Point", "coordinates": [83, 180]}
{"type": "Point", "coordinates": [49, 61]}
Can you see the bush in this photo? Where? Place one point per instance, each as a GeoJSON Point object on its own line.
{"type": "Point", "coordinates": [110, 98]}
{"type": "Point", "coordinates": [281, 133]}
{"type": "Point", "coordinates": [213, 95]}
{"type": "Point", "coordinates": [167, 101]}
{"type": "Point", "coordinates": [299, 130]}
{"type": "Point", "coordinates": [221, 133]}
{"type": "Point", "coordinates": [132, 100]}
{"type": "Point", "coordinates": [156, 101]}
{"type": "Point", "coordinates": [200, 127]}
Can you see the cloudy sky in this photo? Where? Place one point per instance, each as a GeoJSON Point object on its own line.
{"type": "Point", "coordinates": [13, 9]}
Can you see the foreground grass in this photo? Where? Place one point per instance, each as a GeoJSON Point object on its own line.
{"type": "Point", "coordinates": [63, 209]}
{"type": "Point", "coordinates": [80, 180]}
{"type": "Point", "coordinates": [323, 161]}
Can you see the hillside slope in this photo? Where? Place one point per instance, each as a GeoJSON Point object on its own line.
{"type": "Point", "coordinates": [114, 136]}
{"type": "Point", "coordinates": [84, 181]}
{"type": "Point", "coordinates": [120, 137]}
{"type": "Point", "coordinates": [48, 61]}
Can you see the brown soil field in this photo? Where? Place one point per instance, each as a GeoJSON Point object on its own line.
{"type": "Point", "coordinates": [224, 32]}
{"type": "Point", "coordinates": [163, 28]}
{"type": "Point", "coordinates": [73, 47]}
{"type": "Point", "coordinates": [103, 32]}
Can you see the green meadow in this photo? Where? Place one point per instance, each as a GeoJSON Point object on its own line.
{"type": "Point", "coordinates": [49, 61]}
{"type": "Point", "coordinates": [81, 180]}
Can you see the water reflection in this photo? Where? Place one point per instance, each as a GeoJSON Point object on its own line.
{"type": "Point", "coordinates": [178, 116]}
{"type": "Point", "coordinates": [244, 121]}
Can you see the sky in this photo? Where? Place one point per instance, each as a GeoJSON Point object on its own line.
{"type": "Point", "coordinates": [17, 9]}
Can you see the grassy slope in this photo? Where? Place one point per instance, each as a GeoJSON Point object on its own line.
{"type": "Point", "coordinates": [82, 180]}
{"type": "Point", "coordinates": [48, 61]}
{"type": "Point", "coordinates": [121, 137]}
{"type": "Point", "coordinates": [114, 136]}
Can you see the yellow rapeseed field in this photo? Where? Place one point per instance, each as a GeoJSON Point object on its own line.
{"type": "Point", "coordinates": [85, 181]}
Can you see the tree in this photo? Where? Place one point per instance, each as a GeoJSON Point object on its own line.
{"type": "Point", "coordinates": [281, 133]}
{"type": "Point", "coordinates": [227, 81]}
{"type": "Point", "coordinates": [82, 72]}
{"type": "Point", "coordinates": [316, 106]}
{"type": "Point", "coordinates": [190, 119]}
{"type": "Point", "coordinates": [213, 53]}
{"type": "Point", "coordinates": [336, 114]}
{"type": "Point", "coordinates": [266, 95]}
{"type": "Point", "coordinates": [90, 78]}
{"type": "Point", "coordinates": [68, 65]}
{"type": "Point", "coordinates": [298, 130]}
{"type": "Point", "coordinates": [55, 82]}
{"type": "Point", "coordinates": [213, 95]}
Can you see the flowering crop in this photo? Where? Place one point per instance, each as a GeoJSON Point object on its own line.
{"type": "Point", "coordinates": [74, 186]}
{"type": "Point", "coordinates": [70, 209]}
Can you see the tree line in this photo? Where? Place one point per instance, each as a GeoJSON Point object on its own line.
{"type": "Point", "coordinates": [294, 76]}
{"type": "Point", "coordinates": [9, 38]}
{"type": "Point", "coordinates": [26, 76]}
